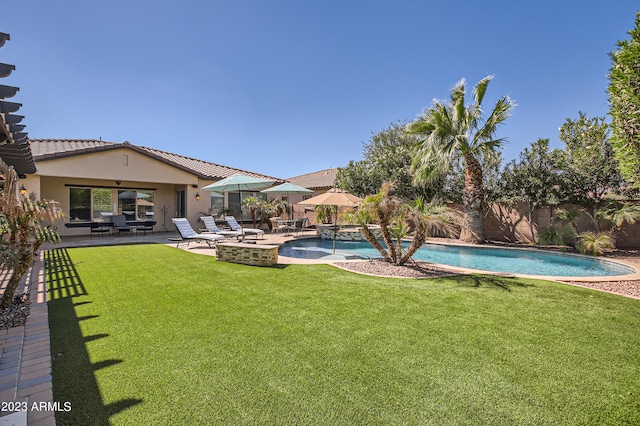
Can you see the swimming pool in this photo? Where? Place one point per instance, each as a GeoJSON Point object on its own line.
{"type": "Point", "coordinates": [517, 261]}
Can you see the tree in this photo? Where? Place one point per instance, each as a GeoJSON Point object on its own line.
{"type": "Point", "coordinates": [453, 183]}
{"type": "Point", "coordinates": [534, 178]}
{"type": "Point", "coordinates": [253, 204]}
{"type": "Point", "coordinates": [450, 130]}
{"type": "Point", "coordinates": [387, 157]}
{"type": "Point", "coordinates": [589, 169]}
{"type": "Point", "coordinates": [397, 218]}
{"type": "Point", "coordinates": [624, 98]}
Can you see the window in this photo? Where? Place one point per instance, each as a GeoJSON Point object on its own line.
{"type": "Point", "coordinates": [97, 204]}
{"type": "Point", "coordinates": [235, 205]}
{"type": "Point", "coordinates": [102, 204]}
{"type": "Point", "coordinates": [80, 204]}
{"type": "Point", "coordinates": [144, 204]}
{"type": "Point", "coordinates": [217, 205]}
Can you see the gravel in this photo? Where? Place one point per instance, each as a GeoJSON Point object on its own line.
{"type": "Point", "coordinates": [415, 269]}
{"type": "Point", "coordinates": [16, 314]}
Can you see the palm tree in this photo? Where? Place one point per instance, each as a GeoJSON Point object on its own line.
{"type": "Point", "coordinates": [252, 204]}
{"type": "Point", "coordinates": [452, 130]}
{"type": "Point", "coordinates": [398, 219]}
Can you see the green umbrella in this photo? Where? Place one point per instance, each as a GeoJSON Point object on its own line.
{"type": "Point", "coordinates": [287, 188]}
{"type": "Point", "coordinates": [238, 183]}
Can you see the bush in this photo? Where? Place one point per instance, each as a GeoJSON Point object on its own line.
{"type": "Point", "coordinates": [554, 237]}
{"type": "Point", "coordinates": [595, 244]}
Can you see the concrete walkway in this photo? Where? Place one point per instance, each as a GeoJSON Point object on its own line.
{"type": "Point", "coordinates": [26, 393]}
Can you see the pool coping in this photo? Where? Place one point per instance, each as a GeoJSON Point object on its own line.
{"type": "Point", "coordinates": [461, 270]}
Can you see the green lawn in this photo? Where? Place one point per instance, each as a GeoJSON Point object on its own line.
{"type": "Point", "coordinates": [151, 334]}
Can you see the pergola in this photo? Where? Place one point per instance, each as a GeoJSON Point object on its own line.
{"type": "Point", "coordinates": [14, 143]}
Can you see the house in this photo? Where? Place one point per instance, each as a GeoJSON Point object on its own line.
{"type": "Point", "coordinates": [95, 179]}
{"type": "Point", "coordinates": [319, 182]}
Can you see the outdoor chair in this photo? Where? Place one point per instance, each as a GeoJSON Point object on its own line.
{"type": "Point", "coordinates": [120, 225]}
{"type": "Point", "coordinates": [144, 227]}
{"type": "Point", "coordinates": [299, 225]}
{"type": "Point", "coordinates": [212, 228]}
{"type": "Point", "coordinates": [277, 225]}
{"type": "Point", "coordinates": [99, 228]}
{"type": "Point", "coordinates": [188, 234]}
{"type": "Point", "coordinates": [235, 226]}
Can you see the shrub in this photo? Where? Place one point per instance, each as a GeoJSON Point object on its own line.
{"type": "Point", "coordinates": [557, 237]}
{"type": "Point", "coordinates": [595, 244]}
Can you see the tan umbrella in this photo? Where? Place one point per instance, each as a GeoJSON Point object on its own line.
{"type": "Point", "coordinates": [334, 197]}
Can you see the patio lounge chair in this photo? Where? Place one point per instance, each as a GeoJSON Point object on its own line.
{"type": "Point", "coordinates": [120, 224]}
{"type": "Point", "coordinates": [188, 234]}
{"type": "Point", "coordinates": [234, 225]}
{"type": "Point", "coordinates": [212, 228]}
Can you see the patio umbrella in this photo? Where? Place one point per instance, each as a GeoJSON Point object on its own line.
{"type": "Point", "coordinates": [334, 197]}
{"type": "Point", "coordinates": [238, 183]}
{"type": "Point", "coordinates": [287, 188]}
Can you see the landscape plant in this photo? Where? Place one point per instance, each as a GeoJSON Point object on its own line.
{"type": "Point", "coordinates": [595, 244]}
{"type": "Point", "coordinates": [589, 171]}
{"type": "Point", "coordinates": [534, 179]}
{"type": "Point", "coordinates": [551, 236]}
{"type": "Point", "coordinates": [387, 156]}
{"type": "Point", "coordinates": [25, 223]}
{"type": "Point", "coordinates": [451, 130]}
{"type": "Point", "coordinates": [252, 204]}
{"type": "Point", "coordinates": [624, 99]}
{"type": "Point", "coordinates": [617, 213]}
{"type": "Point", "coordinates": [397, 219]}
{"type": "Point", "coordinates": [325, 213]}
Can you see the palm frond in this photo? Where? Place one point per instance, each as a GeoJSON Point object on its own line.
{"type": "Point", "coordinates": [480, 89]}
{"type": "Point", "coordinates": [500, 113]}
{"type": "Point", "coordinates": [457, 100]}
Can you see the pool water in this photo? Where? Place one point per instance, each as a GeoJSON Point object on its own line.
{"type": "Point", "coordinates": [517, 261]}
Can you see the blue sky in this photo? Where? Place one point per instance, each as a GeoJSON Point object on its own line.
{"type": "Point", "coordinates": [290, 87]}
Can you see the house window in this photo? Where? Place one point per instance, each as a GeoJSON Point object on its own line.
{"type": "Point", "coordinates": [236, 200]}
{"type": "Point", "coordinates": [217, 205]}
{"type": "Point", "coordinates": [135, 205]}
{"type": "Point", "coordinates": [102, 204]}
{"type": "Point", "coordinates": [97, 204]}
{"type": "Point", "coordinates": [144, 205]}
{"type": "Point", "coordinates": [80, 204]}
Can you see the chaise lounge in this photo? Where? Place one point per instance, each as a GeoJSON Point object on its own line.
{"type": "Point", "coordinates": [235, 226]}
{"type": "Point", "coordinates": [212, 228]}
{"type": "Point", "coordinates": [188, 234]}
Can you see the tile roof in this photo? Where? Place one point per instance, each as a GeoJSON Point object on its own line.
{"type": "Point", "coordinates": [48, 149]}
{"type": "Point", "coordinates": [320, 179]}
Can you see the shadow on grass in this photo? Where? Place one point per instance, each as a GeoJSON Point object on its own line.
{"type": "Point", "coordinates": [73, 373]}
{"type": "Point", "coordinates": [490, 281]}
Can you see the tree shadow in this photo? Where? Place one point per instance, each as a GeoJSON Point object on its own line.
{"type": "Point", "coordinates": [505, 283]}
{"type": "Point", "coordinates": [73, 373]}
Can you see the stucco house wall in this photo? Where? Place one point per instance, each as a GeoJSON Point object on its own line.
{"type": "Point", "coordinates": [119, 166]}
